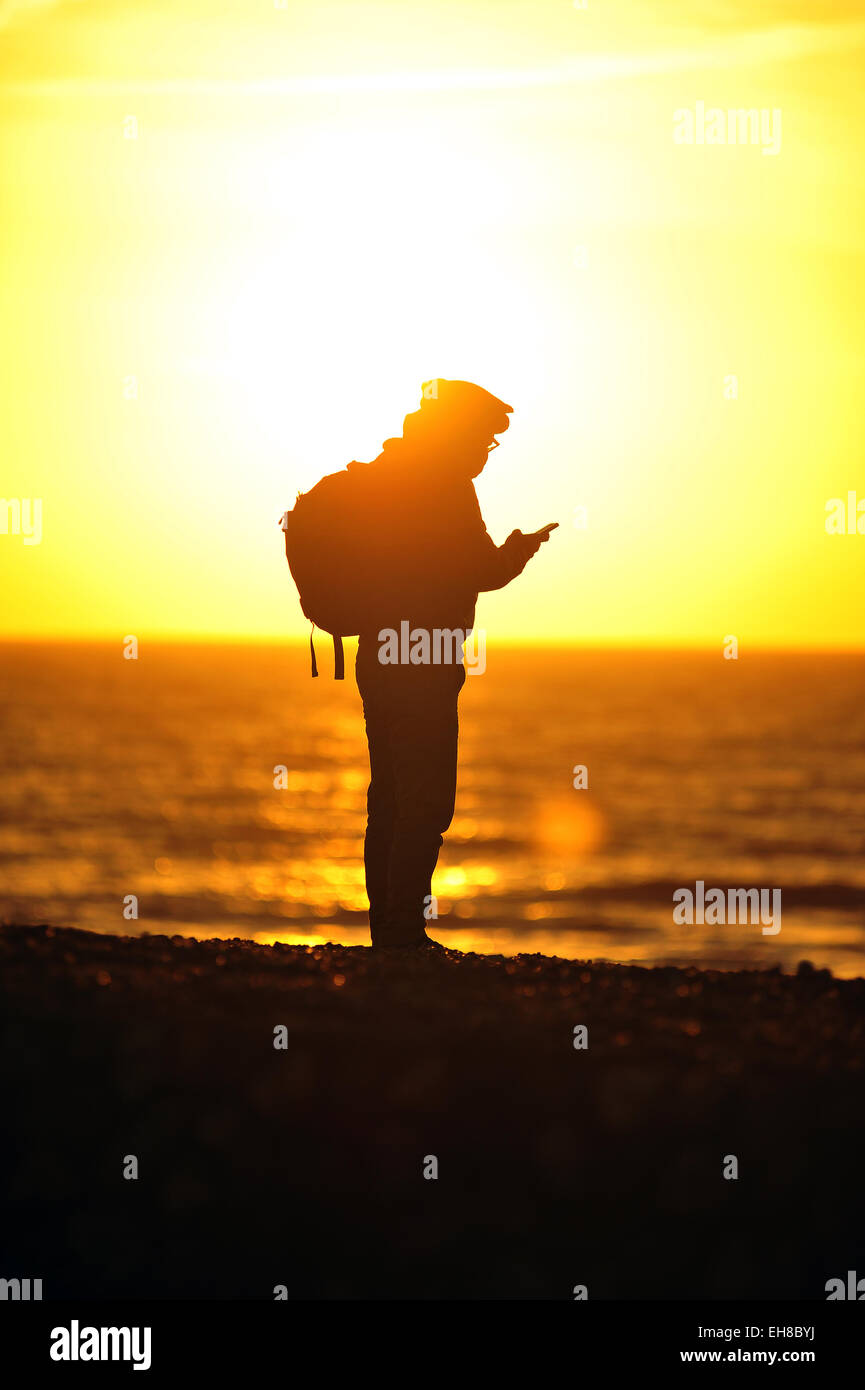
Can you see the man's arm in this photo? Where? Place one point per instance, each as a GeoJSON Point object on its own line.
{"type": "Point", "coordinates": [497, 565]}
{"type": "Point", "coordinates": [493, 565]}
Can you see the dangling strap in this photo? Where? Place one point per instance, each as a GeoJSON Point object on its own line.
{"type": "Point", "coordinates": [338, 660]}
{"type": "Point", "coordinates": [312, 652]}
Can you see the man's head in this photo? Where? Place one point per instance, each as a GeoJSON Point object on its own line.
{"type": "Point", "coordinates": [460, 421]}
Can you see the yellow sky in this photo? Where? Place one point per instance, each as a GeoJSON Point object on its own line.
{"type": "Point", "coordinates": [327, 204]}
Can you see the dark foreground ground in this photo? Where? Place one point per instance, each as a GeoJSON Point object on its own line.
{"type": "Point", "coordinates": [304, 1166]}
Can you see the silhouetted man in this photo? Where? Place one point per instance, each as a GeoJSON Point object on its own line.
{"type": "Point", "coordinates": [438, 557]}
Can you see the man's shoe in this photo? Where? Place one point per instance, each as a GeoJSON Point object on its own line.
{"type": "Point", "coordinates": [415, 950]}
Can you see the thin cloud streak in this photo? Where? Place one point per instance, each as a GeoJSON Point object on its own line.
{"type": "Point", "coordinates": [770, 46]}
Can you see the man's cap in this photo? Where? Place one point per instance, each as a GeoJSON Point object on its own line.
{"type": "Point", "coordinates": [465, 400]}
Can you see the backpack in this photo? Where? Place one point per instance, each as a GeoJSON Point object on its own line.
{"type": "Point", "coordinates": [333, 557]}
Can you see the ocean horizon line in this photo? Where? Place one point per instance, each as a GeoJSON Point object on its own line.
{"type": "Point", "coordinates": [655, 647]}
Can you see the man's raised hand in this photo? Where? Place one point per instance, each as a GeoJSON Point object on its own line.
{"type": "Point", "coordinates": [528, 545]}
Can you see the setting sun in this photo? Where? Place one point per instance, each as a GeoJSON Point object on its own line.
{"type": "Point", "coordinates": [234, 252]}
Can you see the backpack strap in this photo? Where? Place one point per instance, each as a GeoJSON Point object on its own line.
{"type": "Point", "coordinates": [338, 657]}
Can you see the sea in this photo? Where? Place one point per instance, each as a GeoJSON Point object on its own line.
{"type": "Point", "coordinates": [216, 790]}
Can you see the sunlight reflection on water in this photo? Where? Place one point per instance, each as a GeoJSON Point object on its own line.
{"type": "Point", "coordinates": [156, 778]}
